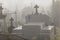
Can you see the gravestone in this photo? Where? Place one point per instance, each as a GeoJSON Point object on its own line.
{"type": "Point", "coordinates": [11, 26]}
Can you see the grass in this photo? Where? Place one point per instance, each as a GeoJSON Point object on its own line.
{"type": "Point", "coordinates": [57, 33]}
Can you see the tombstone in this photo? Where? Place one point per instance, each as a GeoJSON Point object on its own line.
{"type": "Point", "coordinates": [11, 26]}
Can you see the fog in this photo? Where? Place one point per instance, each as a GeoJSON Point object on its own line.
{"type": "Point", "coordinates": [11, 4]}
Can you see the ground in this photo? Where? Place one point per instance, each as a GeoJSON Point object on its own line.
{"type": "Point", "coordinates": [10, 37]}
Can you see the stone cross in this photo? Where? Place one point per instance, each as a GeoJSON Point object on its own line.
{"type": "Point", "coordinates": [36, 6]}
{"type": "Point", "coordinates": [11, 26]}
{"type": "Point", "coordinates": [11, 21]}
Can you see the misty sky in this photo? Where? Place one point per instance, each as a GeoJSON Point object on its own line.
{"type": "Point", "coordinates": [11, 4]}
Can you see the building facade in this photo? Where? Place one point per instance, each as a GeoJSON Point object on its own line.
{"type": "Point", "coordinates": [3, 27]}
